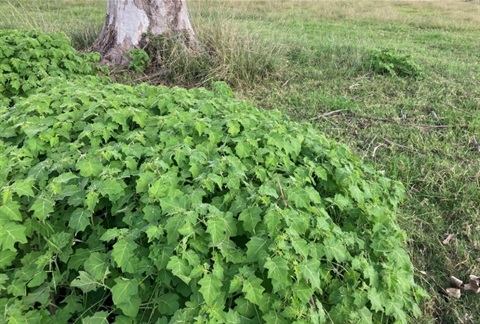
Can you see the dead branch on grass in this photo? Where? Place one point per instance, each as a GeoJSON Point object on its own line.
{"type": "Point", "coordinates": [330, 113]}
{"type": "Point", "coordinates": [477, 146]}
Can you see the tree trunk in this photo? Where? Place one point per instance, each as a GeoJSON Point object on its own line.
{"type": "Point", "coordinates": [128, 21]}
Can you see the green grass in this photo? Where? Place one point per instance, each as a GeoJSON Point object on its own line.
{"type": "Point", "coordinates": [418, 131]}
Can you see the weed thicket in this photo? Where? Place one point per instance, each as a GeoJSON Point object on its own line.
{"type": "Point", "coordinates": [151, 204]}
{"type": "Point", "coordinates": [420, 131]}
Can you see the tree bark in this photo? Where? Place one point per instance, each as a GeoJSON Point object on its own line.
{"type": "Point", "coordinates": [128, 21]}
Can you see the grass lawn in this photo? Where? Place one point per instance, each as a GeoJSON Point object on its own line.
{"type": "Point", "coordinates": [423, 132]}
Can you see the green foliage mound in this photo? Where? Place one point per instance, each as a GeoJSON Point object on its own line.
{"type": "Point", "coordinates": [390, 61]}
{"type": "Point", "coordinates": [148, 204]}
{"type": "Point", "coordinates": [28, 57]}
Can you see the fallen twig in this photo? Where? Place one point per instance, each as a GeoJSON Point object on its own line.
{"type": "Point", "coordinates": [401, 121]}
{"type": "Point", "coordinates": [281, 194]}
{"type": "Point", "coordinates": [312, 301]}
{"type": "Point", "coordinates": [402, 146]}
{"type": "Point", "coordinates": [370, 144]}
{"type": "Point", "coordinates": [330, 113]}
{"type": "Point", "coordinates": [477, 146]}
{"type": "Point", "coordinates": [376, 148]}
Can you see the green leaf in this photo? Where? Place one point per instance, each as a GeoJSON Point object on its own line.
{"type": "Point", "coordinates": [278, 271]}
{"type": "Point", "coordinates": [154, 233]}
{"type": "Point", "coordinates": [91, 200]}
{"type": "Point", "coordinates": [313, 195]}
{"type": "Point", "coordinates": [97, 265]}
{"type": "Point", "coordinates": [78, 258]}
{"type": "Point", "coordinates": [65, 177]}
{"type": "Point", "coordinates": [334, 249]}
{"type": "Point", "coordinates": [356, 194]}
{"type": "Point", "coordinates": [157, 189]}
{"type": "Point", "coordinates": [23, 187]}
{"type": "Point", "coordinates": [59, 241]}
{"type": "Point", "coordinates": [252, 287]}
{"type": "Point", "coordinates": [342, 202]}
{"type": "Point", "coordinates": [124, 255]}
{"type": "Point", "coordinates": [250, 217]}
{"type": "Point", "coordinates": [11, 234]}
{"type": "Point", "coordinates": [245, 308]}
{"type": "Point", "coordinates": [365, 315]}
{"type": "Point", "coordinates": [167, 303]}
{"type": "Point", "coordinates": [175, 204]}
{"type": "Point", "coordinates": [302, 291]}
{"type": "Point", "coordinates": [113, 188]}
{"type": "Point", "coordinates": [85, 281]}
{"type": "Point", "coordinates": [243, 149]}
{"type": "Point", "coordinates": [180, 268]}
{"type": "Point", "coordinates": [376, 300]}
{"type": "Point", "coordinates": [10, 212]}
{"type": "Point", "coordinates": [111, 234]}
{"type": "Point", "coordinates": [300, 246]}
{"type": "Point", "coordinates": [97, 318]}
{"type": "Point", "coordinates": [216, 229]}
{"type": "Point", "coordinates": [233, 317]}
{"type": "Point", "coordinates": [268, 190]}
{"type": "Point", "coordinates": [395, 308]}
{"type": "Point", "coordinates": [233, 127]}
{"type": "Point", "coordinates": [3, 280]}
{"type": "Point", "coordinates": [125, 296]}
{"type": "Point", "coordinates": [79, 220]}
{"type": "Point", "coordinates": [299, 197]}
{"type": "Point", "coordinates": [174, 223]}
{"type": "Point", "coordinates": [274, 318]}
{"type": "Point", "coordinates": [89, 167]}
{"type": "Point", "coordinates": [257, 248]}
{"type": "Point", "coordinates": [211, 289]}
{"type": "Point", "coordinates": [144, 181]}
{"type": "Point", "coordinates": [273, 220]}
{"type": "Point", "coordinates": [152, 213]}
{"type": "Point", "coordinates": [310, 272]}
{"type": "Point", "coordinates": [39, 295]}
{"type": "Point", "coordinates": [42, 207]}
{"type": "Point", "coordinates": [6, 258]}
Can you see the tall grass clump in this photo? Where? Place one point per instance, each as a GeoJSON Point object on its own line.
{"type": "Point", "coordinates": [224, 52]}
